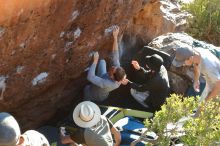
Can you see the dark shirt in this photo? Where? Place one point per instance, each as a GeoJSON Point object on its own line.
{"type": "Point", "coordinates": [157, 84]}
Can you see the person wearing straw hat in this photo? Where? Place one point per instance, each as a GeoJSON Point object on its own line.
{"type": "Point", "coordinates": [10, 134]}
{"type": "Point", "coordinates": [96, 129]}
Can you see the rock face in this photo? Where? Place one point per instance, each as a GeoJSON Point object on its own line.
{"type": "Point", "coordinates": [45, 47]}
{"type": "Point", "coordinates": [157, 17]}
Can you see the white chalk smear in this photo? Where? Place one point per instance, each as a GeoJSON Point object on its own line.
{"type": "Point", "coordinates": [40, 78]}
{"type": "Point", "coordinates": [109, 29]}
{"type": "Point", "coordinates": [68, 46]}
{"type": "Point", "coordinates": [2, 86]}
{"type": "Point", "coordinates": [19, 69]}
{"type": "Point", "coordinates": [74, 15]}
{"type": "Point", "coordinates": [2, 31]}
{"type": "Point", "coordinates": [62, 34]}
{"type": "Point", "coordinates": [77, 33]}
{"type": "Point", "coordinates": [22, 45]}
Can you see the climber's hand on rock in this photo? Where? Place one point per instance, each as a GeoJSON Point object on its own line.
{"type": "Point", "coordinates": [96, 57]}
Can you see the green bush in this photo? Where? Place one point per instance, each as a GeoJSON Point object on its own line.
{"type": "Point", "coordinates": [203, 130]}
{"type": "Point", "coordinates": [205, 23]}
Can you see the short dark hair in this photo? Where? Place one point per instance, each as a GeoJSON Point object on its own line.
{"type": "Point", "coordinates": [119, 74]}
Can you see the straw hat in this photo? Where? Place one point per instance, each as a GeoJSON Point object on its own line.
{"type": "Point", "coordinates": [86, 114]}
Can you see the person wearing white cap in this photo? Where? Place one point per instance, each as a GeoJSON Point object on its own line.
{"type": "Point", "coordinates": [97, 129]}
{"type": "Point", "coordinates": [10, 134]}
{"type": "Point", "coordinates": [204, 63]}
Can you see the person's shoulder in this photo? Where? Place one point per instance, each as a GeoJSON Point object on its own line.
{"type": "Point", "coordinates": [204, 52]}
{"type": "Point", "coordinates": [103, 117]}
{"type": "Point", "coordinates": [163, 70]}
{"type": "Point", "coordinates": [31, 132]}
{"type": "Point", "coordinates": [163, 67]}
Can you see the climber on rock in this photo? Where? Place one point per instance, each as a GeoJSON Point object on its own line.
{"type": "Point", "coordinates": [105, 82]}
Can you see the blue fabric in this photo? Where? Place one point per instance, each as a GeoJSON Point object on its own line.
{"type": "Point", "coordinates": [52, 135]}
{"type": "Point", "coordinates": [133, 123]}
{"type": "Point", "coordinates": [191, 92]}
{"type": "Point", "coordinates": [129, 124]}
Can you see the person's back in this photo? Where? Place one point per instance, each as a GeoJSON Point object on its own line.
{"type": "Point", "coordinates": [99, 135]}
{"type": "Point", "coordinates": [153, 92]}
{"type": "Point", "coordinates": [159, 90]}
{"type": "Point", "coordinates": [98, 93]}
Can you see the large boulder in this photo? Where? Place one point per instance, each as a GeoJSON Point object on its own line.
{"type": "Point", "coordinates": [45, 47]}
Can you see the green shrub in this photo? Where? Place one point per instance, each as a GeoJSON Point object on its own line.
{"type": "Point", "coordinates": [205, 23]}
{"type": "Point", "coordinates": [203, 130]}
